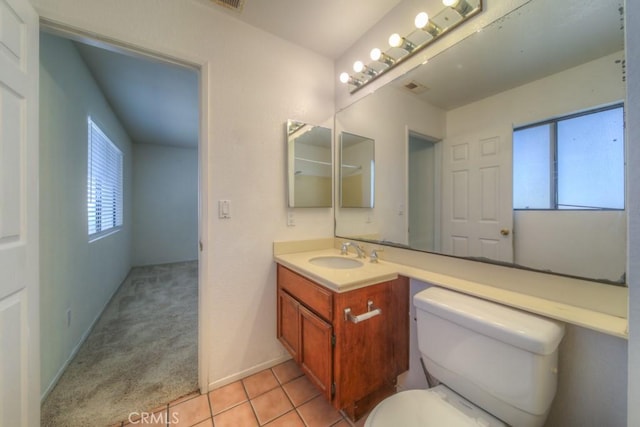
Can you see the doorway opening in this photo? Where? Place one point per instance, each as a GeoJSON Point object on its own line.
{"type": "Point", "coordinates": [119, 314]}
{"type": "Point", "coordinates": [423, 198]}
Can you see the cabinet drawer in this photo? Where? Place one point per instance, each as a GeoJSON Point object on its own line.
{"type": "Point", "coordinates": [308, 293]}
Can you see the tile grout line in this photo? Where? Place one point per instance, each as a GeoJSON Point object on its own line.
{"type": "Point", "coordinates": [249, 399]}
{"type": "Point", "coordinates": [285, 391]}
{"type": "Point", "coordinates": [280, 384]}
{"type": "Point", "coordinates": [210, 409]}
{"type": "Point", "coordinates": [293, 405]}
{"type": "Point", "coordinates": [166, 413]}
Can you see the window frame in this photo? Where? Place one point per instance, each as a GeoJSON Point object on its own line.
{"type": "Point", "coordinates": [114, 180]}
{"type": "Point", "coordinates": [553, 148]}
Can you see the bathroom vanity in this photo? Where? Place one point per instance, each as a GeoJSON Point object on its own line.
{"type": "Point", "coordinates": [352, 345]}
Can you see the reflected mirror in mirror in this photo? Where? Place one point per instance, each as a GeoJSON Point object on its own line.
{"type": "Point", "coordinates": [356, 171]}
{"type": "Point", "coordinates": [310, 166]}
{"type": "Point", "coordinates": [531, 66]}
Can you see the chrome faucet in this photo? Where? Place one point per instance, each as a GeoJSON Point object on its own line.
{"type": "Point", "coordinates": [345, 249]}
{"type": "Point", "coordinates": [374, 254]}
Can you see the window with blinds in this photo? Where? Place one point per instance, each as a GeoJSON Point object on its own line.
{"type": "Point", "coordinates": [104, 183]}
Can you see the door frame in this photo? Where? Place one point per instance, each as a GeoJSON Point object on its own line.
{"type": "Point", "coordinates": [204, 73]}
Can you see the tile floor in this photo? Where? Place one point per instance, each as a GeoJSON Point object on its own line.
{"type": "Point", "coordinates": [278, 397]}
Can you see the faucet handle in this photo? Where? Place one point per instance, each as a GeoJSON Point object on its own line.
{"type": "Point", "coordinates": [374, 254]}
{"type": "Point", "coordinates": [344, 250]}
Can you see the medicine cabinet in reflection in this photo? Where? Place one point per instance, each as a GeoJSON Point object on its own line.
{"type": "Point", "coordinates": [310, 166]}
{"type": "Point", "coordinates": [356, 171]}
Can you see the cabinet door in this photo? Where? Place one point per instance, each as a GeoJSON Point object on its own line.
{"type": "Point", "coordinates": [289, 323]}
{"type": "Point", "coordinates": [315, 350]}
{"type": "Point", "coordinates": [364, 352]}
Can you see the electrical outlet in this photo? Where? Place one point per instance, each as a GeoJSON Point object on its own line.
{"type": "Point", "coordinates": [68, 318]}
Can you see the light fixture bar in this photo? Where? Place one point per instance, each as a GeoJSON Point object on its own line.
{"type": "Point", "coordinates": [401, 48]}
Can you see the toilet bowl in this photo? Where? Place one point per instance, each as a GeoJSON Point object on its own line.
{"type": "Point", "coordinates": [438, 406]}
{"type": "Point", "coordinates": [499, 365]}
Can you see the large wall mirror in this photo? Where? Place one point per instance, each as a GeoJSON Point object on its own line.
{"type": "Point", "coordinates": [310, 166]}
{"type": "Point", "coordinates": [444, 137]}
{"type": "Point", "coordinates": [356, 171]}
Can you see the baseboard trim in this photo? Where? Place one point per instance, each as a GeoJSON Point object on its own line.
{"type": "Point", "coordinates": [83, 338]}
{"type": "Point", "coordinates": [245, 373]}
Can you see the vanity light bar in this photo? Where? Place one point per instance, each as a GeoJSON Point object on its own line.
{"type": "Point", "coordinates": [401, 48]}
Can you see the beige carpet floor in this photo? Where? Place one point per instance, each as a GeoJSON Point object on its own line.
{"type": "Point", "coordinates": [141, 353]}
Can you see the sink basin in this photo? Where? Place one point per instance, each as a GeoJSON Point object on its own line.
{"type": "Point", "coordinates": [339, 262]}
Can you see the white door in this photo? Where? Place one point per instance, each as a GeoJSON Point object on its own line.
{"type": "Point", "coordinates": [19, 304]}
{"type": "Point", "coordinates": [477, 212]}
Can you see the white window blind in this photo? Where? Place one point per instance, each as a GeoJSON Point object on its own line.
{"type": "Point", "coordinates": [104, 183]}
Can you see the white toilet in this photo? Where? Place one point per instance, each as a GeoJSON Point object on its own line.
{"type": "Point", "coordinates": [501, 359]}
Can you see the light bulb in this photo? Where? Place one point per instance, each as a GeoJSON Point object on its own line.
{"type": "Point", "coordinates": [395, 40]}
{"type": "Point", "coordinates": [375, 54]}
{"type": "Point", "coordinates": [344, 77]}
{"type": "Point", "coordinates": [422, 19]}
{"type": "Point", "coordinates": [451, 3]}
{"type": "Point", "coordinates": [358, 66]}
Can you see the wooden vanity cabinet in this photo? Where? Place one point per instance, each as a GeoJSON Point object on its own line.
{"type": "Point", "coordinates": [308, 338]}
{"type": "Point", "coordinates": [355, 365]}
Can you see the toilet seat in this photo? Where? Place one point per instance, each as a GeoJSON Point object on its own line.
{"type": "Point", "coordinates": [438, 406]}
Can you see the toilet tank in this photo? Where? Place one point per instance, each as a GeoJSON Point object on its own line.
{"type": "Point", "coordinates": [502, 359]}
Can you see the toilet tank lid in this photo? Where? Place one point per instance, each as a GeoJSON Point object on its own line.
{"type": "Point", "coordinates": [524, 330]}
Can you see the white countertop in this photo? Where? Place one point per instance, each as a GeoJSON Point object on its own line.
{"type": "Point", "coordinates": [297, 257]}
{"type": "Point", "coordinates": [338, 280]}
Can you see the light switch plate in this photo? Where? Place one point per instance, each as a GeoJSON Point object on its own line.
{"type": "Point", "coordinates": [224, 209]}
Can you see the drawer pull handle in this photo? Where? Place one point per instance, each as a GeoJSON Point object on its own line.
{"type": "Point", "coordinates": [371, 312]}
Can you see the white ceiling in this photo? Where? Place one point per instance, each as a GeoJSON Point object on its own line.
{"type": "Point", "coordinates": [157, 103]}
{"type": "Point", "coordinates": [328, 27]}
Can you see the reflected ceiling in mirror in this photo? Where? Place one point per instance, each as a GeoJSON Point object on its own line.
{"type": "Point", "coordinates": [539, 39]}
{"type": "Point", "coordinates": [310, 166]}
{"type": "Point", "coordinates": [545, 59]}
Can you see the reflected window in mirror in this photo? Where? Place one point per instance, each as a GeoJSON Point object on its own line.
{"type": "Point", "coordinates": [573, 162]}
{"type": "Point", "coordinates": [357, 171]}
{"type": "Point", "coordinates": [310, 166]}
